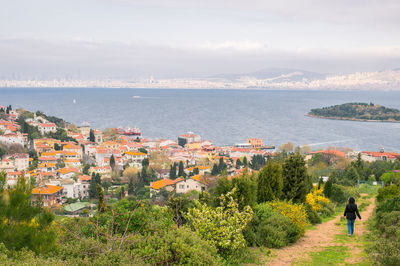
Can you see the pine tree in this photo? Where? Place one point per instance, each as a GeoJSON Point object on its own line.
{"type": "Point", "coordinates": [270, 182]}
{"type": "Point", "coordinates": [296, 182]}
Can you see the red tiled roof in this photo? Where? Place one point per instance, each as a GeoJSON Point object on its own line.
{"type": "Point", "coordinates": [46, 190]}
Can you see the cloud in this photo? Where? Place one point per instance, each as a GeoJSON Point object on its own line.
{"type": "Point", "coordinates": [29, 58]}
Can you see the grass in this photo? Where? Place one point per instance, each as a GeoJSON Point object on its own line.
{"type": "Point", "coordinates": [333, 255]}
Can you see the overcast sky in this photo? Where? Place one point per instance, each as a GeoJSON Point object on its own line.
{"type": "Point", "coordinates": [170, 38]}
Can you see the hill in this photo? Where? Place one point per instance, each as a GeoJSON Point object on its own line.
{"type": "Point", "coordinates": [358, 112]}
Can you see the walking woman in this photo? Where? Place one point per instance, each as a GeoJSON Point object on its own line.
{"type": "Point", "coordinates": [350, 213]}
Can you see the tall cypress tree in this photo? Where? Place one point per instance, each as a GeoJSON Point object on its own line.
{"type": "Point", "coordinates": [112, 162]}
{"type": "Point", "coordinates": [172, 171]}
{"type": "Point", "coordinates": [92, 187]}
{"type": "Point", "coordinates": [181, 172]}
{"type": "Point", "coordinates": [91, 136]}
{"type": "Point", "coordinates": [269, 182]}
{"type": "Point", "coordinates": [296, 182]}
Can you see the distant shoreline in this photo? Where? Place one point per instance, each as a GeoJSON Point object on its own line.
{"type": "Point", "coordinates": [350, 119]}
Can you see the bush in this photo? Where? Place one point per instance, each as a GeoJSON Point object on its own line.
{"type": "Point", "coordinates": [388, 205]}
{"type": "Point", "coordinates": [295, 212]}
{"type": "Point", "coordinates": [386, 252]}
{"type": "Point", "coordinates": [270, 229]}
{"type": "Point", "coordinates": [340, 194]}
{"type": "Point", "coordinates": [389, 224]}
{"type": "Point", "coordinates": [387, 193]}
{"type": "Point", "coordinates": [221, 227]}
{"type": "Point", "coordinates": [178, 246]}
{"type": "Point", "coordinates": [315, 198]}
{"type": "Point", "coordinates": [327, 209]}
{"type": "Point", "coordinates": [312, 215]}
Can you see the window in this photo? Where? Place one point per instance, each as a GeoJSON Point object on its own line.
{"type": "Point", "coordinates": [181, 186]}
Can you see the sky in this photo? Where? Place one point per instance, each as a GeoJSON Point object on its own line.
{"type": "Point", "coordinates": [129, 39]}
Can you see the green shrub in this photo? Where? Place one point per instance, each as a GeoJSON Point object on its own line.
{"type": "Point", "coordinates": [389, 224]}
{"type": "Point", "coordinates": [327, 210]}
{"type": "Point", "coordinates": [178, 246]}
{"type": "Point", "coordinates": [312, 215]}
{"type": "Point", "coordinates": [387, 193]}
{"type": "Point", "coordinates": [386, 252]}
{"type": "Point", "coordinates": [388, 205]}
{"type": "Point", "coordinates": [340, 194]}
{"type": "Point", "coordinates": [270, 229]}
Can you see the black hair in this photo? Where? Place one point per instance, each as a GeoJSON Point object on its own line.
{"type": "Point", "coordinates": [352, 200]}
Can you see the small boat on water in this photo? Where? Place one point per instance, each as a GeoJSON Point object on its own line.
{"type": "Point", "coordinates": [136, 97]}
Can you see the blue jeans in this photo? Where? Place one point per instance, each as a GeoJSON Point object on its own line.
{"type": "Point", "coordinates": [350, 226]}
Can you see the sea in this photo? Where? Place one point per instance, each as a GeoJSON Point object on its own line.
{"type": "Point", "coordinates": [223, 116]}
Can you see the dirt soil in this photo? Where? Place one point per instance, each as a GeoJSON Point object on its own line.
{"type": "Point", "coordinates": [321, 237]}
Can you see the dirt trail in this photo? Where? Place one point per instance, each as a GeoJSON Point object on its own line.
{"type": "Point", "coordinates": [319, 238]}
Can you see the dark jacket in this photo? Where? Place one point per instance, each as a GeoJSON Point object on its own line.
{"type": "Point", "coordinates": [351, 211]}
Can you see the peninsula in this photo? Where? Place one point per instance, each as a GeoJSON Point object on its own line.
{"type": "Point", "coordinates": [357, 112]}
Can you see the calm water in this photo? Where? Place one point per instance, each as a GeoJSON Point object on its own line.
{"type": "Point", "coordinates": [223, 116]}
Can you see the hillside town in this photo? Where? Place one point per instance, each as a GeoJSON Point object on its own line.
{"type": "Point", "coordinates": [65, 162]}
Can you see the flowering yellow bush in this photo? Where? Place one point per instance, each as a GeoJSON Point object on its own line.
{"type": "Point", "coordinates": [316, 197]}
{"type": "Point", "coordinates": [295, 212]}
{"type": "Point", "coordinates": [221, 227]}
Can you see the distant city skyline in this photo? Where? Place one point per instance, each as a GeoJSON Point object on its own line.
{"type": "Point", "coordinates": [127, 39]}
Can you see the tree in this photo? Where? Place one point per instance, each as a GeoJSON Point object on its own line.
{"type": "Point", "coordinates": [257, 161]}
{"type": "Point", "coordinates": [142, 150]}
{"type": "Point", "coordinates": [145, 162]}
{"type": "Point", "coordinates": [391, 178]}
{"type": "Point", "coordinates": [91, 136]}
{"type": "Point", "coordinates": [131, 186]}
{"type": "Point", "coordinates": [112, 162]}
{"type": "Point", "coordinates": [172, 171]}
{"type": "Point", "coordinates": [328, 187]}
{"type": "Point", "coordinates": [288, 147]}
{"type": "Point", "coordinates": [269, 182]}
{"type": "Point", "coordinates": [215, 170]}
{"type": "Point", "coordinates": [196, 171]}
{"type": "Point", "coordinates": [296, 182]}
{"type": "Point", "coordinates": [245, 163]}
{"type": "Point", "coordinates": [245, 190]}
{"type": "Point", "coordinates": [23, 223]}
{"type": "Point", "coordinates": [85, 169]}
{"type": "Point", "coordinates": [181, 172]}
{"type": "Point", "coordinates": [94, 181]}
{"type": "Point", "coordinates": [238, 163]}
{"type": "Point", "coordinates": [121, 194]}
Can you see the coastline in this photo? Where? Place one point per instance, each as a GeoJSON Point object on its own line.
{"type": "Point", "coordinates": [350, 119]}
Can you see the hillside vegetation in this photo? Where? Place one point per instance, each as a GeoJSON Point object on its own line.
{"type": "Point", "coordinates": [357, 111]}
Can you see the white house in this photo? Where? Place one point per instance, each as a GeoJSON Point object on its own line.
{"type": "Point", "coordinates": [46, 128]}
{"type": "Point", "coordinates": [135, 158]}
{"type": "Point", "coordinates": [191, 183]}
{"type": "Point", "coordinates": [20, 161]}
{"type": "Point", "coordinates": [13, 138]}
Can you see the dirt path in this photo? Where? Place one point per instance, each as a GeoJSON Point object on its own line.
{"type": "Point", "coordinates": [319, 238]}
